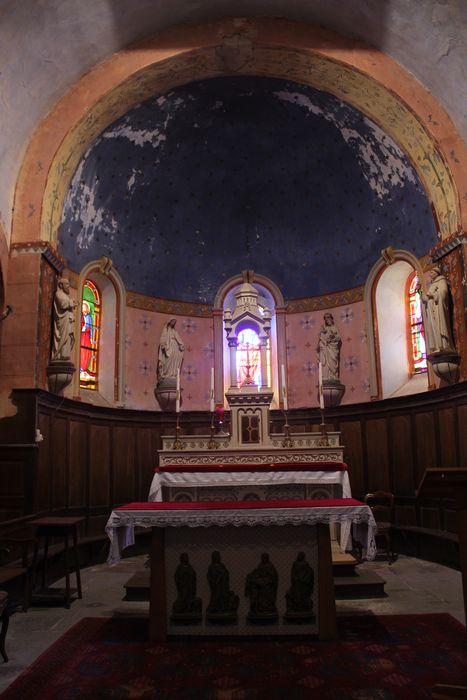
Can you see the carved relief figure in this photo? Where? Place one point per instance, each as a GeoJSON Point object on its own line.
{"type": "Point", "coordinates": [329, 348]}
{"type": "Point", "coordinates": [223, 602]}
{"type": "Point", "coordinates": [64, 322]}
{"type": "Point", "coordinates": [187, 605]}
{"type": "Point", "coordinates": [302, 580]}
{"type": "Point", "coordinates": [436, 300]}
{"type": "Point", "coordinates": [261, 589]}
{"type": "Point", "coordinates": [171, 349]}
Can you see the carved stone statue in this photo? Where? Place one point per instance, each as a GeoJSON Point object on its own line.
{"type": "Point", "coordinates": [437, 303]}
{"type": "Point", "coordinates": [64, 322]}
{"type": "Point", "coordinates": [171, 349]}
{"type": "Point", "coordinates": [261, 589]}
{"type": "Point", "coordinates": [223, 604]}
{"type": "Point", "coordinates": [329, 348]}
{"type": "Point", "coordinates": [187, 607]}
{"type": "Point", "coordinates": [299, 596]}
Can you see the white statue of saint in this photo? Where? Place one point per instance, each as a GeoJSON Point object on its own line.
{"type": "Point", "coordinates": [171, 351]}
{"type": "Point", "coordinates": [436, 300]}
{"type": "Point", "coordinates": [329, 347]}
{"type": "Point", "coordinates": [64, 322]}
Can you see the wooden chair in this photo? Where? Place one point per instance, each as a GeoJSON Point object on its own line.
{"type": "Point", "coordinates": [24, 568]}
{"type": "Point", "coordinates": [382, 506]}
{"type": "Point", "coordinates": [4, 616]}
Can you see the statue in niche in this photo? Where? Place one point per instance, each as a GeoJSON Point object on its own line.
{"type": "Point", "coordinates": [223, 604]}
{"type": "Point", "coordinates": [261, 589]}
{"type": "Point", "coordinates": [63, 322]}
{"type": "Point", "coordinates": [329, 348]}
{"type": "Point", "coordinates": [299, 597]}
{"type": "Point", "coordinates": [187, 607]}
{"type": "Point", "coordinates": [171, 349]}
{"type": "Point", "coordinates": [437, 304]}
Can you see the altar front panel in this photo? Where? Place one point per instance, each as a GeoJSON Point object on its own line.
{"type": "Point", "coordinates": [240, 551]}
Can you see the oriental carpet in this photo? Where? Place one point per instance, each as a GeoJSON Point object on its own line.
{"type": "Point", "coordinates": [376, 658]}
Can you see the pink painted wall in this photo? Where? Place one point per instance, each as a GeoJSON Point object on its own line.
{"type": "Point", "coordinates": [143, 330]}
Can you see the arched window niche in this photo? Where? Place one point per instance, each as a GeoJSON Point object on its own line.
{"type": "Point", "coordinates": [388, 326]}
{"type": "Point", "coordinates": [109, 367]}
{"type": "Point", "coordinates": [270, 297]}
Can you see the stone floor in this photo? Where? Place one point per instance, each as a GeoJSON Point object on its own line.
{"type": "Point", "coordinates": [413, 586]}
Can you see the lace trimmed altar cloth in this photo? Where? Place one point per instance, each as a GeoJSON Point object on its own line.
{"type": "Point", "coordinates": [123, 520]}
{"type": "Point", "coordinates": [222, 474]}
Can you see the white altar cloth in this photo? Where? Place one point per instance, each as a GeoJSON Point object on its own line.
{"type": "Point", "coordinates": [229, 476]}
{"type": "Point", "coordinates": [123, 520]}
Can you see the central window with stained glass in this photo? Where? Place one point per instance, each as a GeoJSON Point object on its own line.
{"type": "Point", "coordinates": [89, 338]}
{"type": "Point", "coordinates": [248, 358]}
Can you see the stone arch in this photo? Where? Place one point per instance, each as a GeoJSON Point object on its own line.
{"type": "Point", "coordinates": [379, 88]}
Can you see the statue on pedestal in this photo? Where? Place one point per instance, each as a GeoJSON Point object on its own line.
{"type": "Point", "coordinates": [437, 304]}
{"type": "Point", "coordinates": [61, 368]}
{"type": "Point", "coordinates": [261, 588]}
{"type": "Point", "coordinates": [223, 604]}
{"type": "Point", "coordinates": [329, 348]}
{"type": "Point", "coordinates": [187, 607]}
{"type": "Point", "coordinates": [299, 597]}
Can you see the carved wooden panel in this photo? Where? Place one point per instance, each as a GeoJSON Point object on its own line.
{"type": "Point", "coordinates": [425, 441]}
{"type": "Point", "coordinates": [402, 460]}
{"type": "Point", "coordinates": [462, 423]}
{"type": "Point", "coordinates": [447, 438]}
{"type": "Point", "coordinates": [44, 471]}
{"type": "Point", "coordinates": [351, 438]}
{"type": "Point", "coordinates": [125, 464]}
{"type": "Point", "coordinates": [147, 444]}
{"type": "Point", "coordinates": [99, 465]}
{"type": "Point", "coordinates": [78, 463]}
{"type": "Point", "coordinates": [377, 454]}
{"type": "Point", "coordinates": [59, 457]}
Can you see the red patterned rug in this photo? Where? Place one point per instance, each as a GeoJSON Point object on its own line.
{"type": "Point", "coordinates": [376, 658]}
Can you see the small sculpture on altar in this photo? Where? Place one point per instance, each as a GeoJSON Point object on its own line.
{"type": "Point", "coordinates": [329, 348]}
{"type": "Point", "coordinates": [261, 588]}
{"type": "Point", "coordinates": [437, 304]}
{"type": "Point", "coordinates": [299, 597]}
{"type": "Point", "coordinates": [187, 607]}
{"type": "Point", "coordinates": [223, 604]}
{"type": "Point", "coordinates": [64, 322]}
{"type": "Point", "coordinates": [171, 350]}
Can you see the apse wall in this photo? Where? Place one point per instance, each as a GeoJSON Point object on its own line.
{"type": "Point", "coordinates": [193, 186]}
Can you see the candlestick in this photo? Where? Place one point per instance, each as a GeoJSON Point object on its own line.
{"type": "Point", "coordinates": [177, 444]}
{"type": "Point", "coordinates": [211, 406]}
{"type": "Point", "coordinates": [177, 393]}
{"type": "Point", "coordinates": [284, 388]}
{"type": "Point", "coordinates": [320, 386]}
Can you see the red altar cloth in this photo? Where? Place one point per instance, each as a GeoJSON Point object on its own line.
{"type": "Point", "coordinates": [241, 505]}
{"type": "Point", "coordinates": [283, 467]}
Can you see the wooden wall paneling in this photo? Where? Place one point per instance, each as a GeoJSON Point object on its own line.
{"type": "Point", "coordinates": [147, 440]}
{"type": "Point", "coordinates": [351, 438]}
{"type": "Point", "coordinates": [376, 430]}
{"type": "Point", "coordinates": [124, 465]}
{"type": "Point", "coordinates": [59, 459]}
{"type": "Point", "coordinates": [99, 465]}
{"type": "Point", "coordinates": [77, 463]}
{"type": "Point", "coordinates": [425, 442]}
{"type": "Point", "coordinates": [13, 468]}
{"type": "Point", "coordinates": [447, 438]}
{"type": "Point", "coordinates": [402, 459]}
{"type": "Point", "coordinates": [462, 432]}
{"type": "Point", "coordinates": [44, 474]}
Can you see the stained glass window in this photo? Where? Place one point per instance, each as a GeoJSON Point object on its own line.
{"type": "Point", "coordinates": [417, 347]}
{"type": "Point", "coordinates": [89, 339]}
{"type": "Point", "coordinates": [248, 358]}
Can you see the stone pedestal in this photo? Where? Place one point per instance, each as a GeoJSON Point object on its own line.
{"type": "Point", "coordinates": [59, 375]}
{"type": "Point", "coordinates": [166, 394]}
{"type": "Point", "coordinates": [446, 365]}
{"type": "Point", "coordinates": [333, 391]}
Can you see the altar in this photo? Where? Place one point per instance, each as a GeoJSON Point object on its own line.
{"type": "Point", "coordinates": [250, 567]}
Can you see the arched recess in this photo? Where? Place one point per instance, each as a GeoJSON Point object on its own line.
{"type": "Point", "coordinates": [353, 72]}
{"type": "Point", "coordinates": [112, 331]}
{"type": "Point", "coordinates": [386, 322]}
{"type": "Point", "coordinates": [274, 299]}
